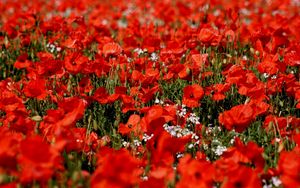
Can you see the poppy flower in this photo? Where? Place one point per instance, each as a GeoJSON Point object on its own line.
{"type": "Point", "coordinates": [218, 91]}
{"type": "Point", "coordinates": [22, 62]}
{"type": "Point", "coordinates": [210, 36]}
{"type": "Point", "coordinates": [252, 87]}
{"type": "Point", "coordinates": [50, 67]}
{"type": "Point", "coordinates": [271, 65]}
{"type": "Point", "coordinates": [165, 147]}
{"type": "Point", "coordinates": [154, 119]}
{"type": "Point", "coordinates": [195, 173]}
{"type": "Point", "coordinates": [247, 154]}
{"type": "Point", "coordinates": [148, 94]}
{"type": "Point", "coordinates": [10, 102]}
{"type": "Point", "coordinates": [9, 148]}
{"type": "Point", "coordinates": [101, 95]}
{"type": "Point", "coordinates": [289, 168]}
{"type": "Point", "coordinates": [105, 174]}
{"type": "Point", "coordinates": [38, 160]}
{"type": "Point", "coordinates": [36, 89]}
{"type": "Point", "coordinates": [238, 117]}
{"type": "Point", "coordinates": [111, 49]}
{"type": "Point", "coordinates": [132, 125]}
{"type": "Point", "coordinates": [235, 74]}
{"type": "Point", "coordinates": [199, 61]}
{"type": "Point", "coordinates": [242, 177]}
{"type": "Point", "coordinates": [19, 121]}
{"type": "Point", "coordinates": [292, 58]}
{"type": "Point", "coordinates": [153, 180]}
{"type": "Point", "coordinates": [73, 110]}
{"type": "Point", "coordinates": [74, 62]}
{"type": "Point", "coordinates": [191, 95]}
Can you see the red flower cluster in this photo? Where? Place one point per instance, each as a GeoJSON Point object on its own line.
{"type": "Point", "coordinates": [154, 93]}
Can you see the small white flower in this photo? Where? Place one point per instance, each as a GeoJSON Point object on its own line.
{"type": "Point", "coordinates": [122, 23]}
{"type": "Point", "coordinates": [194, 136]}
{"type": "Point", "coordinates": [220, 150]}
{"type": "Point", "coordinates": [193, 118]}
{"type": "Point", "coordinates": [154, 56]}
{"type": "Point", "coordinates": [273, 77]}
{"type": "Point", "coordinates": [147, 137]}
{"type": "Point", "coordinates": [144, 178]}
{"type": "Point", "coordinates": [139, 51]}
{"type": "Point", "coordinates": [205, 146]}
{"type": "Point", "coordinates": [179, 155]}
{"type": "Point", "coordinates": [265, 75]}
{"type": "Point", "coordinates": [129, 59]}
{"type": "Point", "coordinates": [125, 144]}
{"type": "Point", "coordinates": [136, 142]}
{"type": "Point", "coordinates": [232, 141]}
{"type": "Point", "coordinates": [276, 181]}
{"type": "Point", "coordinates": [157, 101]}
{"type": "Point", "coordinates": [190, 146]}
{"type": "Point", "coordinates": [245, 58]}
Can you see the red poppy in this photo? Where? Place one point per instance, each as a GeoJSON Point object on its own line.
{"type": "Point", "coordinates": [85, 85]}
{"type": "Point", "coordinates": [50, 67]}
{"type": "Point", "coordinates": [238, 117]}
{"type": "Point", "coordinates": [132, 125]}
{"type": "Point", "coordinates": [199, 60]}
{"type": "Point", "coordinates": [22, 62]}
{"type": "Point", "coordinates": [271, 65]}
{"type": "Point", "coordinates": [38, 160]}
{"type": "Point", "coordinates": [195, 173]}
{"type": "Point", "coordinates": [157, 177]}
{"type": "Point", "coordinates": [242, 177]}
{"type": "Point", "coordinates": [101, 95]}
{"type": "Point", "coordinates": [235, 74]}
{"type": "Point", "coordinates": [210, 36]}
{"type": "Point", "coordinates": [9, 148]}
{"type": "Point", "coordinates": [112, 49]}
{"type": "Point", "coordinates": [218, 91]}
{"type": "Point", "coordinates": [76, 139]}
{"type": "Point", "coordinates": [252, 87]}
{"type": "Point", "coordinates": [191, 95]}
{"type": "Point", "coordinates": [259, 107]}
{"type": "Point", "coordinates": [185, 73]}
{"type": "Point", "coordinates": [206, 35]}
{"type": "Point", "coordinates": [105, 175]}
{"type": "Point", "coordinates": [74, 62]}
{"type": "Point", "coordinates": [73, 110]}
{"type": "Point", "coordinates": [148, 94]}
{"type": "Point", "coordinates": [289, 168]}
{"type": "Point", "coordinates": [292, 58]}
{"type": "Point", "coordinates": [36, 89]}
{"type": "Point", "coordinates": [165, 147]}
{"type": "Point", "coordinates": [10, 102]}
{"type": "Point", "coordinates": [19, 121]}
{"type": "Point", "coordinates": [248, 154]}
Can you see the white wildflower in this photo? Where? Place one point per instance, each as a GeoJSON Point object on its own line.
{"type": "Point", "coordinates": [276, 181]}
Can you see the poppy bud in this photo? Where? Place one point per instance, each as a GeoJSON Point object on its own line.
{"type": "Point", "coordinates": [118, 67]}
{"type": "Point", "coordinates": [257, 53]}
{"type": "Point", "coordinates": [37, 118]}
{"type": "Point", "coordinates": [188, 71]}
{"type": "Point", "coordinates": [95, 125]}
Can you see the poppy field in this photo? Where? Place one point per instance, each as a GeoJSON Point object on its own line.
{"type": "Point", "coordinates": [170, 93]}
